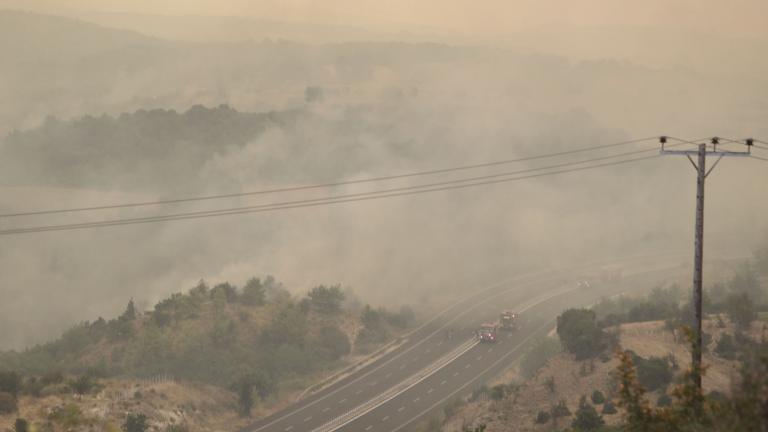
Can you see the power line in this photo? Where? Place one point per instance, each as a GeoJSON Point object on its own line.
{"type": "Point", "coordinates": [327, 185]}
{"type": "Point", "coordinates": [411, 190]}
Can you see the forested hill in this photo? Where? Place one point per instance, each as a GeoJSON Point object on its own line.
{"type": "Point", "coordinates": [155, 150]}
{"type": "Point", "coordinates": [221, 335]}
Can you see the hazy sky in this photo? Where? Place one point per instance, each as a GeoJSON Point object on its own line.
{"type": "Point", "coordinates": [738, 17]}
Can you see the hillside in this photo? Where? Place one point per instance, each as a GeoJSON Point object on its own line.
{"type": "Point", "coordinates": [257, 341]}
{"type": "Point", "coordinates": [31, 37]}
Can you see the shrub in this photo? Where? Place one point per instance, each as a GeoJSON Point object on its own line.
{"type": "Point", "coordinates": [7, 403]}
{"type": "Point", "coordinates": [542, 417]}
{"type": "Point", "coordinates": [664, 400]}
{"type": "Point", "coordinates": [135, 423]}
{"type": "Point", "coordinates": [598, 397]}
{"type": "Point", "coordinates": [560, 410]}
{"type": "Point", "coordinates": [549, 383]}
{"type": "Point", "coordinates": [83, 385]}
{"type": "Point", "coordinates": [498, 392]}
{"type": "Point", "coordinates": [587, 418]}
{"type": "Point", "coordinates": [652, 373]}
{"type": "Point", "coordinates": [254, 292]}
{"type": "Point", "coordinates": [609, 408]}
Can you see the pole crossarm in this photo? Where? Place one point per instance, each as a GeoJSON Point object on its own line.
{"type": "Point", "coordinates": [709, 152]}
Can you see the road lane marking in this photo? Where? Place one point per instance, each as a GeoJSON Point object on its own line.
{"type": "Point", "coordinates": [358, 392]}
{"type": "Point", "coordinates": [467, 366]}
{"type": "Point", "coordinates": [430, 390]}
{"type": "Point", "coordinates": [402, 367]}
{"type": "Point", "coordinates": [455, 374]}
{"type": "Point", "coordinates": [490, 349]}
{"type": "Point", "coordinates": [385, 418]}
{"type": "Point", "coordinates": [388, 375]}
{"type": "Point", "coordinates": [427, 351]}
{"type": "Point", "coordinates": [343, 400]}
{"type": "Point", "coordinates": [443, 382]}
{"type": "Point", "coordinates": [369, 427]}
{"type": "Point", "coordinates": [307, 419]}
{"type": "Point", "coordinates": [417, 399]}
{"type": "Point", "coordinates": [288, 428]}
{"type": "Point", "coordinates": [326, 409]}
{"type": "Point", "coordinates": [400, 409]}
{"type": "Point", "coordinates": [479, 358]}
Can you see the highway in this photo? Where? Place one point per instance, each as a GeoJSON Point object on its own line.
{"type": "Point", "coordinates": [440, 360]}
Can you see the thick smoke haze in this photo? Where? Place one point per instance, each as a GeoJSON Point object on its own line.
{"type": "Point", "coordinates": [349, 107]}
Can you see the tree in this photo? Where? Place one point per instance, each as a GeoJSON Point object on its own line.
{"type": "Point", "coordinates": [740, 309]}
{"type": "Point", "coordinates": [135, 423]}
{"type": "Point", "coordinates": [326, 300]}
{"type": "Point", "coordinates": [579, 333]}
{"type": "Point", "coordinates": [130, 312]}
{"type": "Point", "coordinates": [254, 292]}
{"type": "Point", "coordinates": [652, 373]}
{"type": "Point", "coordinates": [726, 347]}
{"type": "Point", "coordinates": [587, 418]}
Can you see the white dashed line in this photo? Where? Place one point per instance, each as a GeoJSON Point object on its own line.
{"type": "Point", "coordinates": [455, 374]}
{"type": "Point", "coordinates": [400, 409]}
{"type": "Point", "coordinates": [443, 382]}
{"type": "Point", "coordinates": [326, 409]}
{"type": "Point", "coordinates": [417, 399]}
{"type": "Point", "coordinates": [288, 428]}
{"type": "Point", "coordinates": [415, 359]}
{"type": "Point", "coordinates": [479, 358]}
{"type": "Point", "coordinates": [358, 392]}
{"type": "Point", "coordinates": [490, 349]}
{"type": "Point", "coordinates": [427, 351]}
{"type": "Point", "coordinates": [388, 375]}
{"type": "Point", "coordinates": [369, 427]}
{"type": "Point", "coordinates": [467, 366]}
{"type": "Point", "coordinates": [307, 419]}
{"type": "Point", "coordinates": [430, 390]}
{"type": "Point", "coordinates": [385, 418]}
{"type": "Point", "coordinates": [343, 400]}
{"type": "Point", "coordinates": [402, 367]}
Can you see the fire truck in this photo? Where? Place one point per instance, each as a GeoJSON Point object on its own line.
{"type": "Point", "coordinates": [508, 320]}
{"type": "Point", "coordinates": [487, 332]}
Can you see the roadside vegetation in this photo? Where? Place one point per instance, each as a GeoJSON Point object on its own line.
{"type": "Point", "coordinates": [257, 341]}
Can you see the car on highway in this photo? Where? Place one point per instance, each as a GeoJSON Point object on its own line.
{"type": "Point", "coordinates": [487, 333]}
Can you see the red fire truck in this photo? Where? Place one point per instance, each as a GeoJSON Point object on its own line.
{"type": "Point", "coordinates": [487, 333]}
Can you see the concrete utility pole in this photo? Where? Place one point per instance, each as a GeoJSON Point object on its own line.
{"type": "Point", "coordinates": [702, 174]}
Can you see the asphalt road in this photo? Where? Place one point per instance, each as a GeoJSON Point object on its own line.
{"type": "Point", "coordinates": [542, 296]}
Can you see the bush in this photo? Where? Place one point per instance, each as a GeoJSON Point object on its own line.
{"type": "Point", "coordinates": [652, 373]}
{"type": "Point", "coordinates": [83, 385]}
{"type": "Point", "coordinates": [579, 333]}
{"type": "Point", "coordinates": [542, 417]}
{"type": "Point", "coordinates": [598, 397]}
{"type": "Point", "coordinates": [741, 310]}
{"type": "Point", "coordinates": [587, 418]}
{"type": "Point", "coordinates": [498, 392]}
{"type": "Point", "coordinates": [609, 408]}
{"type": "Point", "coordinates": [7, 403]}
{"type": "Point", "coordinates": [135, 423]}
{"type": "Point", "coordinates": [664, 400]}
{"type": "Point", "coordinates": [560, 410]}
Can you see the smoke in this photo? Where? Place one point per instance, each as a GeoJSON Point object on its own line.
{"type": "Point", "coordinates": [379, 109]}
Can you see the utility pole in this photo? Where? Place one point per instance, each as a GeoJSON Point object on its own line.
{"type": "Point", "coordinates": [702, 174]}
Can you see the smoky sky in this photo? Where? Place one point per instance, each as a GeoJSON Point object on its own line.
{"type": "Point", "coordinates": [386, 107]}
